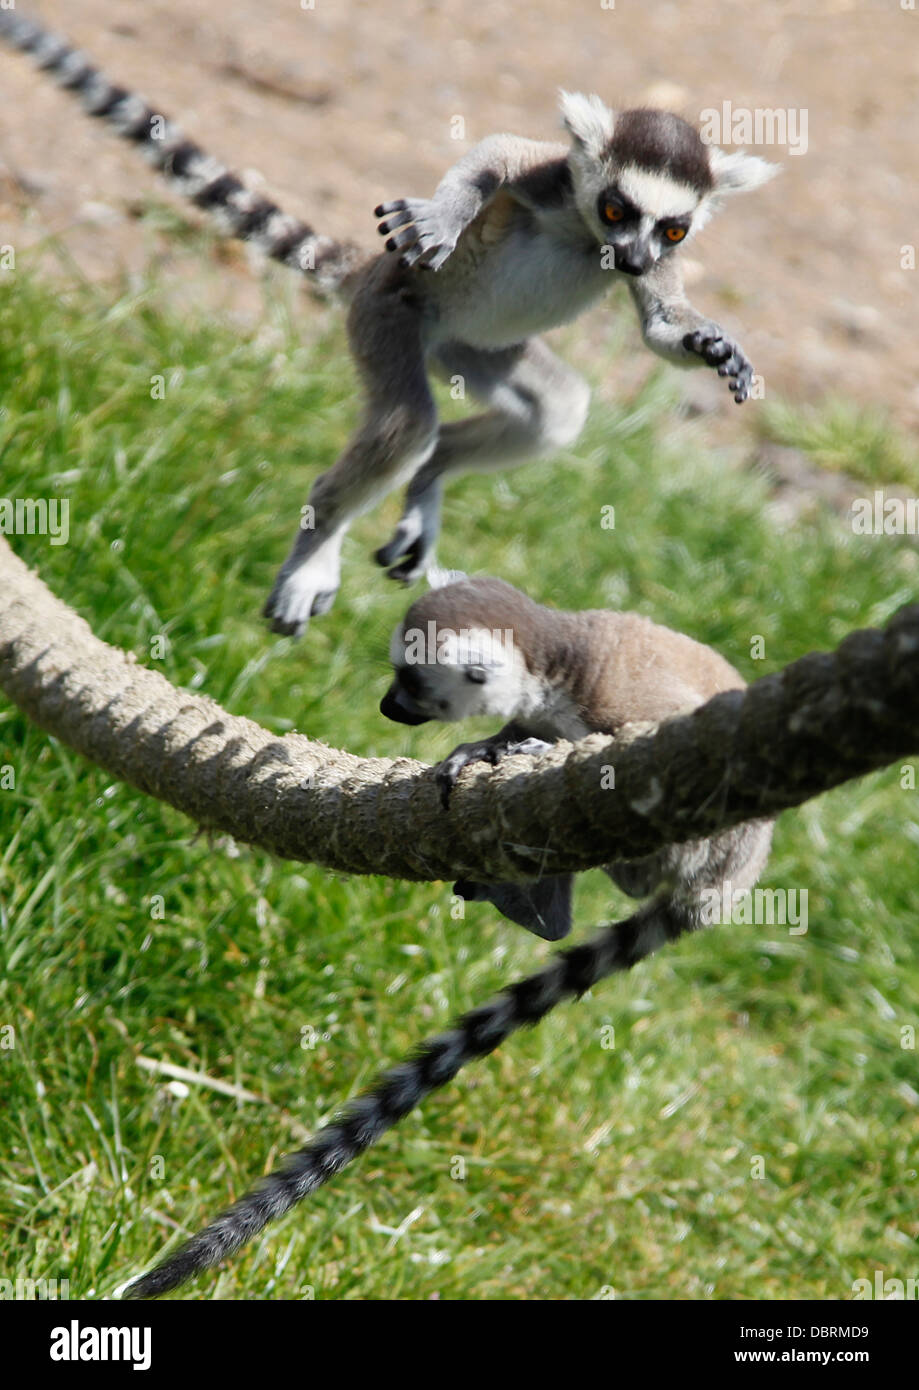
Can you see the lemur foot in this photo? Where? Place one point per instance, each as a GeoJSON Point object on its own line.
{"type": "Point", "coordinates": [543, 907]}
{"type": "Point", "coordinates": [717, 350]}
{"type": "Point", "coordinates": [418, 229]}
{"type": "Point", "coordinates": [488, 750]}
{"type": "Point", "coordinates": [302, 591]}
{"type": "Point", "coordinates": [414, 538]}
{"type": "Point", "coordinates": [411, 552]}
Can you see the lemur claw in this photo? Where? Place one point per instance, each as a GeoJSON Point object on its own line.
{"type": "Point", "coordinates": [411, 565]}
{"type": "Point", "coordinates": [410, 551]}
{"type": "Point", "coordinates": [417, 229]}
{"type": "Point", "coordinates": [302, 590]}
{"type": "Point", "coordinates": [723, 353]}
{"type": "Point", "coordinates": [488, 750]}
{"type": "Point", "coordinates": [408, 572]}
{"type": "Point", "coordinates": [284, 627]}
{"type": "Point", "coordinates": [447, 774]}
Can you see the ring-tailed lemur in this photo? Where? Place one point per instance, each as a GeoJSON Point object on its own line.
{"type": "Point", "coordinates": [480, 646]}
{"type": "Point", "coordinates": [518, 237]}
{"type": "Point", "coordinates": [555, 675]}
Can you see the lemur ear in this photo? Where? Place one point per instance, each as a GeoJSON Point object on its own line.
{"type": "Point", "coordinates": [737, 172]}
{"type": "Point", "coordinates": [590, 122]}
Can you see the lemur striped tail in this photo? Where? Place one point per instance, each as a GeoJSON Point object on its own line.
{"type": "Point", "coordinates": [399, 1090]}
{"type": "Point", "coordinates": [204, 180]}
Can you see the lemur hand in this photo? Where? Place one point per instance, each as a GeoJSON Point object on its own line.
{"type": "Point", "coordinates": [489, 750]}
{"type": "Point", "coordinates": [717, 350]}
{"type": "Point", "coordinates": [420, 229]}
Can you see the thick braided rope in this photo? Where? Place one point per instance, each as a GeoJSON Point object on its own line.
{"type": "Point", "coordinates": [207, 182]}
{"type": "Point", "coordinates": [401, 1088]}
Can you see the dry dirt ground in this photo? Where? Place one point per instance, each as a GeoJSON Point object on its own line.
{"type": "Point", "coordinates": [346, 103]}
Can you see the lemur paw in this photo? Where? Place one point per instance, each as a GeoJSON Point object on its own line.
{"type": "Point", "coordinates": [488, 750]}
{"type": "Point", "coordinates": [411, 566]}
{"type": "Point", "coordinates": [414, 538]}
{"type": "Point", "coordinates": [302, 592]}
{"type": "Point", "coordinates": [418, 229]}
{"type": "Point", "coordinates": [717, 350]}
{"type": "Point", "coordinates": [411, 547]}
{"type": "Point", "coordinates": [543, 907]}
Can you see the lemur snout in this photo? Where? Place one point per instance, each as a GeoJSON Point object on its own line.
{"type": "Point", "coordinates": [399, 706]}
{"type": "Point", "coordinates": [628, 266]}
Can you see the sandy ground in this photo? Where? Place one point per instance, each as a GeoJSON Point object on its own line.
{"type": "Point", "coordinates": [344, 104]}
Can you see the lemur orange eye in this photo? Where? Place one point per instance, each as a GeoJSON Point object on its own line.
{"type": "Point", "coordinates": [613, 213]}
{"type": "Point", "coordinates": [675, 233]}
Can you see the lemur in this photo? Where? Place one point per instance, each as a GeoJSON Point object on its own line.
{"type": "Point", "coordinates": [481, 647]}
{"type": "Point", "coordinates": [518, 237]}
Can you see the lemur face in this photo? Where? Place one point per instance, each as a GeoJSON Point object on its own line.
{"type": "Point", "coordinates": [644, 216]}
{"type": "Point", "coordinates": [450, 673]}
{"type": "Point", "coordinates": [644, 180]}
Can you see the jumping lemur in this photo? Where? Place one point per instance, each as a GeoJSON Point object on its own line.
{"type": "Point", "coordinates": [481, 647]}
{"type": "Point", "coordinates": [518, 237]}
{"type": "Point", "coordinates": [555, 675]}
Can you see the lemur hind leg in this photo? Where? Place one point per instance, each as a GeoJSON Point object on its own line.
{"type": "Point", "coordinates": [538, 405]}
{"type": "Point", "coordinates": [395, 437]}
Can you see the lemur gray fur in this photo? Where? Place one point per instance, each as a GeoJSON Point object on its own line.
{"type": "Point", "coordinates": [519, 236]}
{"type": "Point", "coordinates": [481, 647]}
{"type": "Point", "coordinates": [553, 675]}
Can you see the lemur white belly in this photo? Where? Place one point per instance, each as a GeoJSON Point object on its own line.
{"type": "Point", "coordinates": [512, 276]}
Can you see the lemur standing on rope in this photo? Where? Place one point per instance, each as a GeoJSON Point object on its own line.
{"type": "Point", "coordinates": [491, 650]}
{"type": "Point", "coordinates": [481, 647]}
{"type": "Point", "coordinates": [519, 236]}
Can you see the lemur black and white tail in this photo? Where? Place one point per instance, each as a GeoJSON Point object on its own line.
{"type": "Point", "coordinates": [399, 1090]}
{"type": "Point", "coordinates": [209, 184]}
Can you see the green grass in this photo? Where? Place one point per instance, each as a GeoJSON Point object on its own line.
{"type": "Point", "coordinates": [843, 437]}
{"type": "Point", "coordinates": [586, 1168]}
